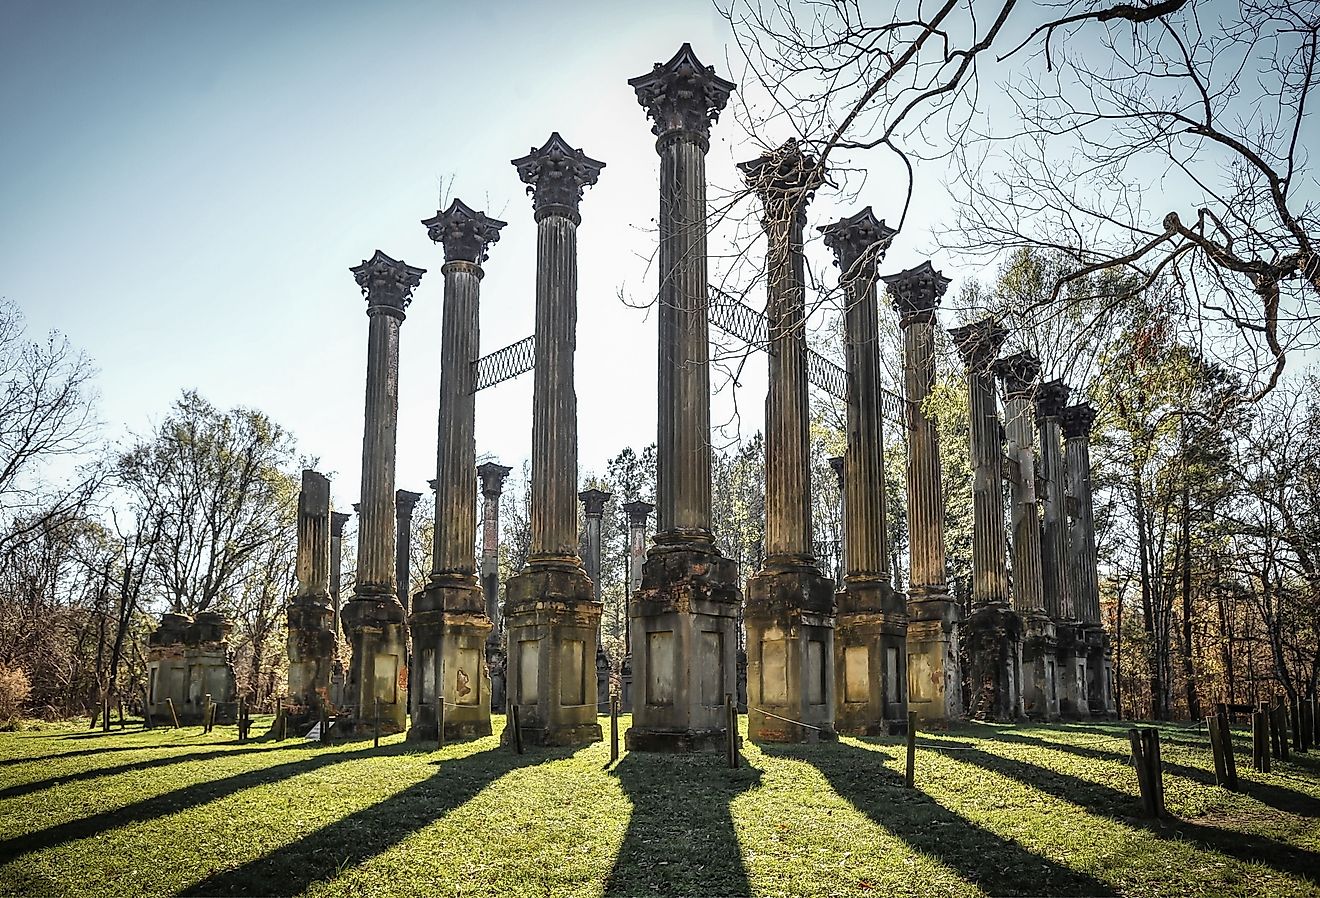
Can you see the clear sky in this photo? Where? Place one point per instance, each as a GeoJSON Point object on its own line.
{"type": "Point", "coordinates": [185, 185]}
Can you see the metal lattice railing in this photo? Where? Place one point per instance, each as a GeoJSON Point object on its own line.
{"type": "Point", "coordinates": [503, 364]}
{"type": "Point", "coordinates": [742, 321]}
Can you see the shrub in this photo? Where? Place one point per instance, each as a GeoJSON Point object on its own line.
{"type": "Point", "coordinates": [14, 689]}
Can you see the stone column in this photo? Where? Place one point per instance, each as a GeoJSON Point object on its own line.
{"type": "Point", "coordinates": [871, 695]}
{"type": "Point", "coordinates": [836, 465]}
{"type": "Point", "coordinates": [934, 677]}
{"type": "Point", "coordinates": [593, 509]}
{"type": "Point", "coordinates": [1018, 374]}
{"type": "Point", "coordinates": [1051, 397]}
{"type": "Point", "coordinates": [404, 503]}
{"type": "Point", "coordinates": [993, 630]}
{"type": "Point", "coordinates": [683, 629]}
{"type": "Point", "coordinates": [311, 641]}
{"type": "Point", "coordinates": [338, 675]}
{"type": "Point", "coordinates": [790, 605]}
{"type": "Point", "coordinates": [449, 622]}
{"type": "Point", "coordinates": [637, 512]}
{"type": "Point", "coordinates": [374, 619]}
{"type": "Point", "coordinates": [492, 487]}
{"type": "Point", "coordinates": [1077, 421]}
{"type": "Point", "coordinates": [551, 615]}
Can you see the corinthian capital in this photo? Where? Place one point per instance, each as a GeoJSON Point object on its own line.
{"type": "Point", "coordinates": [1077, 420]}
{"type": "Point", "coordinates": [785, 180]}
{"type": "Point", "coordinates": [978, 343]}
{"type": "Point", "coordinates": [859, 243]}
{"type": "Point", "coordinates": [556, 175]}
{"type": "Point", "coordinates": [682, 94]}
{"type": "Point", "coordinates": [386, 283]}
{"type": "Point", "coordinates": [916, 292]}
{"type": "Point", "coordinates": [464, 232]}
{"type": "Point", "coordinates": [1019, 372]}
{"type": "Point", "coordinates": [1051, 397]}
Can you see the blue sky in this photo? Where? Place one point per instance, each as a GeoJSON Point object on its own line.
{"type": "Point", "coordinates": [185, 186]}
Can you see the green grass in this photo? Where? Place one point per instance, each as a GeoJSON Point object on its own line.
{"type": "Point", "coordinates": [998, 810]}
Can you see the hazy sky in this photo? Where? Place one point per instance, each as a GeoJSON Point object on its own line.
{"type": "Point", "coordinates": [186, 185]}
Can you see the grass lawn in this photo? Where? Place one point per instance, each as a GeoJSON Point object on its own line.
{"type": "Point", "coordinates": [998, 810]}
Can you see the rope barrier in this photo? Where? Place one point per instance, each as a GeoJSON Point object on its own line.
{"type": "Point", "coordinates": [787, 719]}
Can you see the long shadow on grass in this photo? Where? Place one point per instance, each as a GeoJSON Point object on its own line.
{"type": "Point", "coordinates": [1106, 800]}
{"type": "Point", "coordinates": [1287, 800]}
{"type": "Point", "coordinates": [998, 865]}
{"type": "Point", "coordinates": [177, 800]}
{"type": "Point", "coordinates": [364, 834]}
{"type": "Point", "coordinates": [680, 838]}
{"type": "Point", "coordinates": [84, 752]}
{"type": "Point", "coordinates": [148, 764]}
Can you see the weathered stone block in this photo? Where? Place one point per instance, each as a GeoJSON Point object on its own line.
{"type": "Point", "coordinates": [994, 662]}
{"type": "Point", "coordinates": [378, 671]}
{"type": "Point", "coordinates": [871, 627]}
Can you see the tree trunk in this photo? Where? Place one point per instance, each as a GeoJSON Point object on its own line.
{"type": "Point", "coordinates": [1157, 702]}
{"type": "Point", "coordinates": [1189, 671]}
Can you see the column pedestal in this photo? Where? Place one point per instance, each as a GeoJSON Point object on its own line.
{"type": "Point", "coordinates": [934, 669]}
{"type": "Point", "coordinates": [994, 662]}
{"type": "Point", "coordinates": [870, 635]}
{"type": "Point", "coordinates": [450, 628]}
{"type": "Point", "coordinates": [1040, 680]}
{"type": "Point", "coordinates": [378, 669]}
{"type": "Point", "coordinates": [1072, 661]}
{"type": "Point", "coordinates": [1099, 697]}
{"type": "Point", "coordinates": [311, 647]}
{"type": "Point", "coordinates": [551, 622]}
{"type": "Point", "coordinates": [684, 643]}
{"type": "Point", "coordinates": [790, 659]}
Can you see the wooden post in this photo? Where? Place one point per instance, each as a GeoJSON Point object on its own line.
{"type": "Point", "coordinates": [242, 732]}
{"type": "Point", "coordinates": [206, 713]}
{"type": "Point", "coordinates": [325, 725]}
{"type": "Point", "coordinates": [376, 744]}
{"type": "Point", "coordinates": [1294, 712]}
{"type": "Point", "coordinates": [1281, 714]}
{"type": "Point", "coordinates": [1156, 769]}
{"type": "Point", "coordinates": [614, 727]}
{"type": "Point", "coordinates": [1226, 740]}
{"type": "Point", "coordinates": [1138, 743]}
{"type": "Point", "coordinates": [174, 715]}
{"type": "Point", "coordinates": [1217, 750]}
{"type": "Point", "coordinates": [910, 775]}
{"type": "Point", "coordinates": [147, 722]}
{"type": "Point", "coordinates": [439, 718]}
{"type": "Point", "coordinates": [731, 728]}
{"type": "Point", "coordinates": [517, 728]}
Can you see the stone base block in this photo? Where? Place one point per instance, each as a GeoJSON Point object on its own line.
{"type": "Point", "coordinates": [188, 659]}
{"type": "Point", "coordinates": [498, 671]}
{"type": "Point", "coordinates": [1040, 678]}
{"type": "Point", "coordinates": [934, 669]}
{"type": "Point", "coordinates": [449, 633]}
{"type": "Point", "coordinates": [311, 646]}
{"type": "Point", "coordinates": [1073, 678]}
{"type": "Point", "coordinates": [378, 673]}
{"type": "Point", "coordinates": [683, 632]}
{"type": "Point", "coordinates": [870, 632]}
{"type": "Point", "coordinates": [1099, 660]}
{"type": "Point", "coordinates": [994, 663]}
{"type": "Point", "coordinates": [552, 624]}
{"type": "Point", "coordinates": [790, 655]}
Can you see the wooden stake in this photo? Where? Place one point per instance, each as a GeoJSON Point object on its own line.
{"type": "Point", "coordinates": [174, 715]}
{"type": "Point", "coordinates": [440, 719]}
{"type": "Point", "coordinates": [206, 713]}
{"type": "Point", "coordinates": [1217, 750]}
{"type": "Point", "coordinates": [1156, 769]}
{"type": "Point", "coordinates": [1226, 740]}
{"type": "Point", "coordinates": [146, 710]}
{"type": "Point", "coordinates": [376, 744]}
{"type": "Point", "coordinates": [910, 775]}
{"type": "Point", "coordinates": [1138, 743]}
{"type": "Point", "coordinates": [325, 725]}
{"type": "Point", "coordinates": [517, 728]}
{"type": "Point", "coordinates": [731, 729]}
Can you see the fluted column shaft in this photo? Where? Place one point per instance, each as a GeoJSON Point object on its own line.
{"type": "Point", "coordinates": [787, 442]}
{"type": "Point", "coordinates": [375, 570]}
{"type": "Point", "coordinates": [866, 552]}
{"type": "Point", "coordinates": [492, 487]}
{"type": "Point", "coordinates": [554, 397]}
{"type": "Point", "coordinates": [404, 502]}
{"type": "Point", "coordinates": [683, 438]}
{"type": "Point", "coordinates": [456, 457]}
{"type": "Point", "coordinates": [1020, 426]}
{"type": "Point", "coordinates": [979, 343]}
{"type": "Point", "coordinates": [337, 522]}
{"type": "Point", "coordinates": [312, 565]}
{"type": "Point", "coordinates": [925, 486]}
{"type": "Point", "coordinates": [1050, 400]}
{"type": "Point", "coordinates": [1086, 586]}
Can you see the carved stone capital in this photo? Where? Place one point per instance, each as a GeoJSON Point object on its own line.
{"type": "Point", "coordinates": [492, 479]}
{"type": "Point", "coordinates": [785, 180]}
{"type": "Point", "coordinates": [859, 243]}
{"type": "Point", "coordinates": [979, 342]}
{"type": "Point", "coordinates": [387, 284]}
{"type": "Point", "coordinates": [682, 94]}
{"type": "Point", "coordinates": [1077, 420]}
{"type": "Point", "coordinates": [404, 503]}
{"type": "Point", "coordinates": [836, 463]}
{"type": "Point", "coordinates": [593, 501]}
{"type": "Point", "coordinates": [337, 521]}
{"type": "Point", "coordinates": [916, 293]}
{"type": "Point", "coordinates": [1051, 397]}
{"type": "Point", "coordinates": [556, 175]}
{"type": "Point", "coordinates": [638, 512]}
{"type": "Point", "coordinates": [1019, 373]}
{"type": "Point", "coordinates": [464, 232]}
